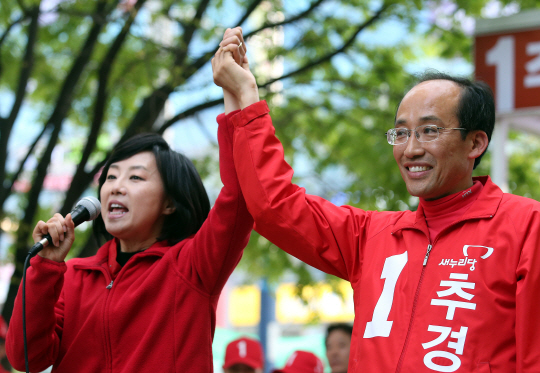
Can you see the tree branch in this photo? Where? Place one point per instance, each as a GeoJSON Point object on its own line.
{"type": "Point", "coordinates": [297, 17]}
{"type": "Point", "coordinates": [189, 112]}
{"type": "Point", "coordinates": [24, 75]}
{"type": "Point", "coordinates": [80, 182]}
{"type": "Point", "coordinates": [15, 176]}
{"type": "Point", "coordinates": [202, 60]}
{"type": "Point", "coordinates": [27, 65]}
{"type": "Point", "coordinates": [329, 56]}
{"type": "Point", "coordinates": [8, 28]}
{"type": "Point", "coordinates": [250, 9]}
{"type": "Point", "coordinates": [189, 30]}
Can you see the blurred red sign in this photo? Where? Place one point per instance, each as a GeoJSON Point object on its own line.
{"type": "Point", "coordinates": [510, 63]}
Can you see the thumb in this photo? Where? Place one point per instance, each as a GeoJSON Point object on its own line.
{"type": "Point", "coordinates": [70, 226]}
{"type": "Point", "coordinates": [245, 63]}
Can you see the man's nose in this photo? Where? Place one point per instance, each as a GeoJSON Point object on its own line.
{"type": "Point", "coordinates": [413, 147]}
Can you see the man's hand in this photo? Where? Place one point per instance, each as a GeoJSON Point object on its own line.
{"type": "Point", "coordinates": [235, 37]}
{"type": "Point", "coordinates": [62, 232]}
{"type": "Point", "coordinates": [235, 77]}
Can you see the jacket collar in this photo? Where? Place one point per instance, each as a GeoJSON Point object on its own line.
{"type": "Point", "coordinates": [485, 206]}
{"type": "Point", "coordinates": [107, 253]}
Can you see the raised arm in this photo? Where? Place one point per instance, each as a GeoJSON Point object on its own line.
{"type": "Point", "coordinates": [312, 229]}
{"type": "Point", "coordinates": [217, 248]}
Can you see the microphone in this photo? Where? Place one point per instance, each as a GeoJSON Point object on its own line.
{"type": "Point", "coordinates": [86, 209]}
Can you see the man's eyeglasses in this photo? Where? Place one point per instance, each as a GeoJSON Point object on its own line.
{"type": "Point", "coordinates": [424, 133]}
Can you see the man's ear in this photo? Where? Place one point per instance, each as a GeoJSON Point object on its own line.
{"type": "Point", "coordinates": [479, 143]}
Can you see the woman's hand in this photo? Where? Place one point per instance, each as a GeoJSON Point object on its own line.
{"type": "Point", "coordinates": [62, 232]}
{"type": "Point", "coordinates": [235, 78]}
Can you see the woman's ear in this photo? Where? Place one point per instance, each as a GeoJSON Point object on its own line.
{"type": "Point", "coordinates": [479, 143]}
{"type": "Point", "coordinates": [169, 207]}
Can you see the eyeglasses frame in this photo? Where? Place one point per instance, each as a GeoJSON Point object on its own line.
{"type": "Point", "coordinates": [417, 135]}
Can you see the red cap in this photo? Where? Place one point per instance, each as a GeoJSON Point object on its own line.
{"type": "Point", "coordinates": [302, 362]}
{"type": "Point", "coordinates": [244, 351]}
{"type": "Point", "coordinates": [3, 328]}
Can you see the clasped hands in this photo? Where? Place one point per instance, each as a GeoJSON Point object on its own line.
{"type": "Point", "coordinates": [231, 71]}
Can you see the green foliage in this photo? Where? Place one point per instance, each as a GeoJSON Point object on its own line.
{"type": "Point", "coordinates": [345, 84]}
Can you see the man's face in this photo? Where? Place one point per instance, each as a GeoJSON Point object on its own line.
{"type": "Point", "coordinates": [338, 346]}
{"type": "Point", "coordinates": [242, 368]}
{"type": "Point", "coordinates": [438, 168]}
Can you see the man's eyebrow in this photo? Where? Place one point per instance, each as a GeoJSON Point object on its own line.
{"type": "Point", "coordinates": [430, 118]}
{"type": "Point", "coordinates": [400, 122]}
{"type": "Point", "coordinates": [427, 118]}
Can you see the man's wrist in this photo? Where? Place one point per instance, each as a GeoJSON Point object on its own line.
{"type": "Point", "coordinates": [248, 96]}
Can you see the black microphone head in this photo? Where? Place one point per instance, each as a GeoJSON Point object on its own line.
{"type": "Point", "coordinates": [86, 209]}
{"type": "Point", "coordinates": [93, 206]}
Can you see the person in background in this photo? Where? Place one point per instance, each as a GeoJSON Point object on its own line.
{"type": "Point", "coordinates": [3, 333]}
{"type": "Point", "coordinates": [338, 345]}
{"type": "Point", "coordinates": [302, 362]}
{"type": "Point", "coordinates": [244, 355]}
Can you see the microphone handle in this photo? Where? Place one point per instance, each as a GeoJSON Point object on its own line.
{"type": "Point", "coordinates": [79, 215]}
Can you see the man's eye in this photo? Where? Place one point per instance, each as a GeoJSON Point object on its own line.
{"type": "Point", "coordinates": [401, 133]}
{"type": "Point", "coordinates": [430, 130]}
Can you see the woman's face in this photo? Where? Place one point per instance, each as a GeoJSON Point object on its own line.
{"type": "Point", "coordinates": [338, 346]}
{"type": "Point", "coordinates": [133, 201]}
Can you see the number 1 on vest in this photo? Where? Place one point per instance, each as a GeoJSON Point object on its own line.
{"type": "Point", "coordinates": [379, 326]}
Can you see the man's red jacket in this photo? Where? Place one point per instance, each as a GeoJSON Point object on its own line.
{"type": "Point", "coordinates": [158, 315]}
{"type": "Point", "coordinates": [466, 302]}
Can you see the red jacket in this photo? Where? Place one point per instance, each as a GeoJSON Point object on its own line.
{"type": "Point", "coordinates": [158, 315]}
{"type": "Point", "coordinates": [470, 305]}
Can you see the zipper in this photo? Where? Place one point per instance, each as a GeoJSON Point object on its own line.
{"type": "Point", "coordinates": [110, 285]}
{"type": "Point", "coordinates": [425, 258]}
{"type": "Point", "coordinates": [413, 312]}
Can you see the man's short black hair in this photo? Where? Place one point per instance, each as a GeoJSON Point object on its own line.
{"type": "Point", "coordinates": [338, 326]}
{"type": "Point", "coordinates": [476, 107]}
{"type": "Point", "coordinates": [181, 182]}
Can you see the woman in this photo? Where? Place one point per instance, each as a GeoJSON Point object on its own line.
{"type": "Point", "coordinates": [146, 302]}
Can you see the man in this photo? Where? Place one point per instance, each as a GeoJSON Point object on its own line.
{"type": "Point", "coordinates": [244, 355]}
{"type": "Point", "coordinates": [302, 362]}
{"type": "Point", "coordinates": [451, 287]}
{"type": "Point", "coordinates": [338, 345]}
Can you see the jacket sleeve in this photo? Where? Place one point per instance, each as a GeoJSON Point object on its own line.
{"type": "Point", "coordinates": [527, 297]}
{"type": "Point", "coordinates": [217, 247]}
{"type": "Point", "coordinates": [308, 227]}
{"type": "Point", "coordinates": [44, 316]}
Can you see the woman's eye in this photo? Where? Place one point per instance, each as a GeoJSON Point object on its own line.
{"type": "Point", "coordinates": [135, 177]}
{"type": "Point", "coordinates": [111, 177]}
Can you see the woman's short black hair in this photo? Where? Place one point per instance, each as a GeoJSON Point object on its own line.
{"type": "Point", "coordinates": [181, 182]}
{"type": "Point", "coordinates": [346, 328]}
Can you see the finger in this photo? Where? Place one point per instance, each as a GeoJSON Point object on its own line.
{"type": "Point", "coordinates": [70, 226]}
{"type": "Point", "coordinates": [37, 234]}
{"type": "Point", "coordinates": [61, 224]}
{"type": "Point", "coordinates": [245, 63]}
{"type": "Point", "coordinates": [237, 54]}
{"type": "Point", "coordinates": [232, 51]}
{"type": "Point", "coordinates": [230, 40]}
{"type": "Point", "coordinates": [54, 231]}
